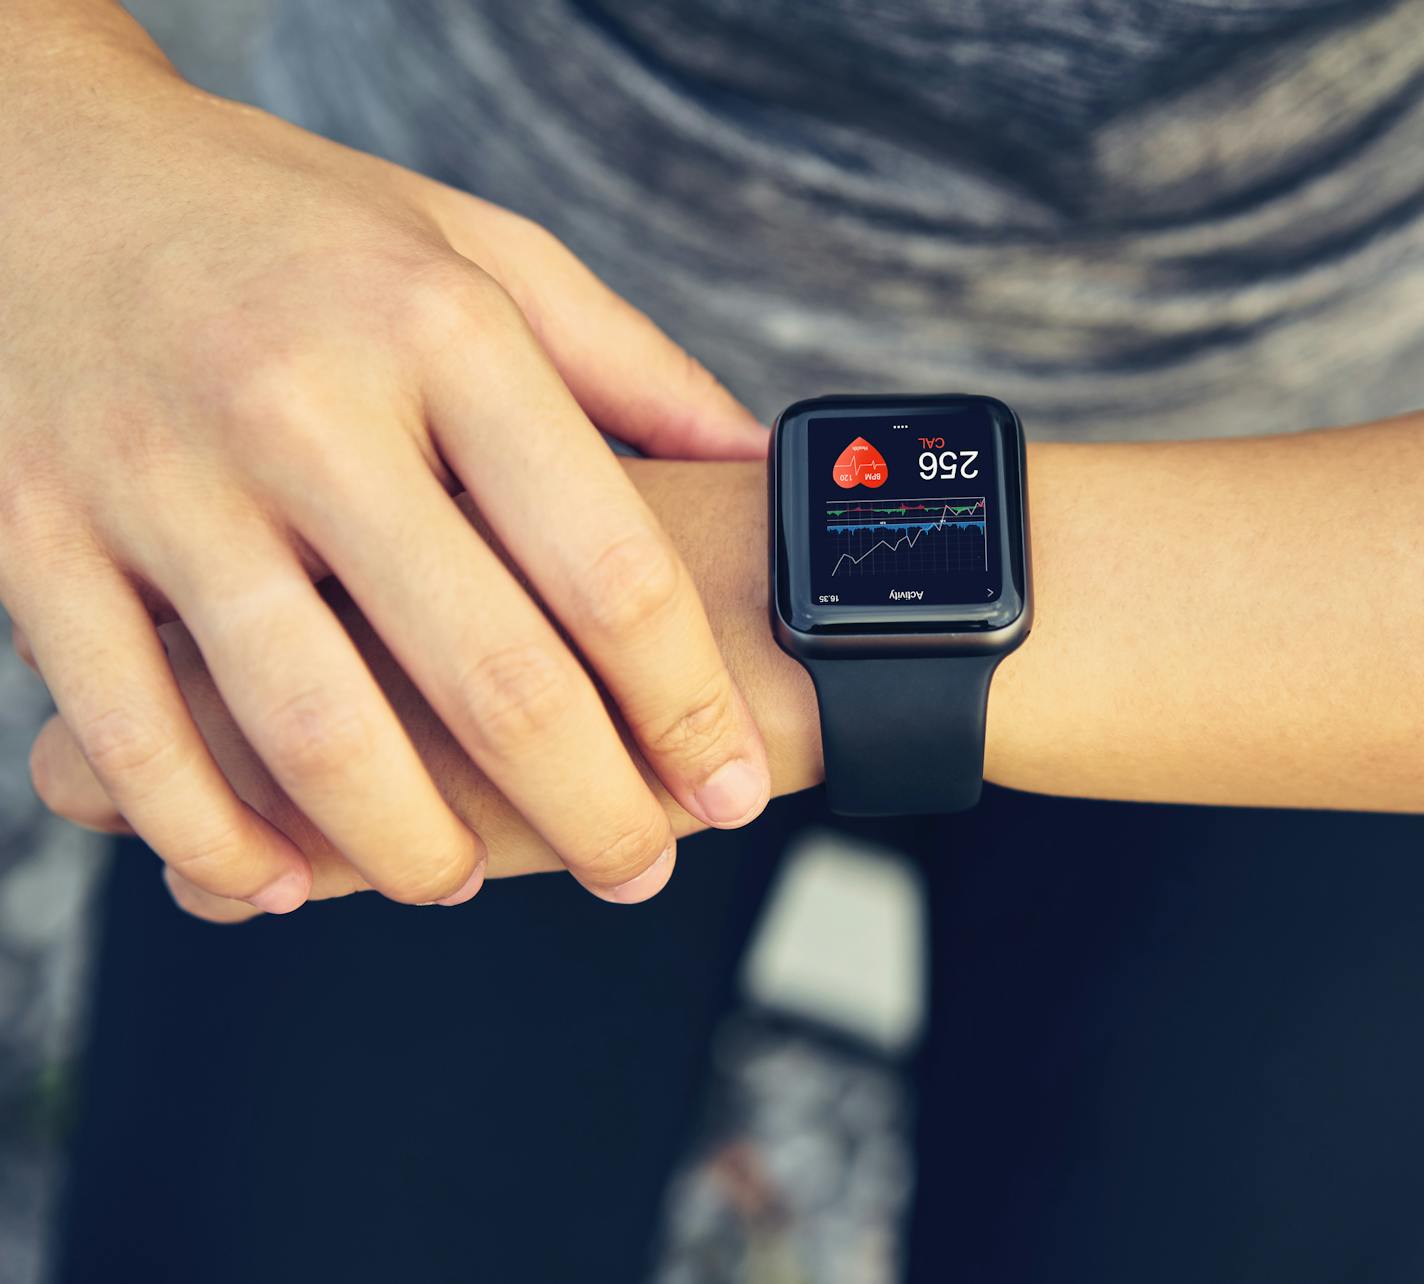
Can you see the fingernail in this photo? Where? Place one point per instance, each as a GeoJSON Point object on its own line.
{"type": "Point", "coordinates": [470, 886]}
{"type": "Point", "coordinates": [647, 884]}
{"type": "Point", "coordinates": [282, 895]}
{"type": "Point", "coordinates": [733, 794]}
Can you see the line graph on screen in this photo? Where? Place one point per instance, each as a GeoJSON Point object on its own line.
{"type": "Point", "coordinates": [944, 534]}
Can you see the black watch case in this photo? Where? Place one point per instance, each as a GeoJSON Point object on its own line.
{"type": "Point", "coordinates": [809, 630]}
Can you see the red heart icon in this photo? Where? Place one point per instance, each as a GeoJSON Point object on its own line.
{"type": "Point", "coordinates": [860, 464]}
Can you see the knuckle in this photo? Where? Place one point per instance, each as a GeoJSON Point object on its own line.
{"type": "Point", "coordinates": [268, 391]}
{"type": "Point", "coordinates": [218, 864]}
{"type": "Point", "coordinates": [536, 244]}
{"type": "Point", "coordinates": [311, 738]}
{"type": "Point", "coordinates": [632, 849]}
{"type": "Point", "coordinates": [274, 399]}
{"type": "Point", "coordinates": [447, 298]}
{"type": "Point", "coordinates": [634, 581]}
{"type": "Point", "coordinates": [533, 235]}
{"type": "Point", "coordinates": [502, 240]}
{"type": "Point", "coordinates": [125, 748]}
{"type": "Point", "coordinates": [239, 369]}
{"type": "Point", "coordinates": [35, 510]}
{"type": "Point", "coordinates": [515, 695]}
{"type": "Point", "coordinates": [705, 728]}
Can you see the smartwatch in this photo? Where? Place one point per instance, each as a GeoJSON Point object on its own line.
{"type": "Point", "coordinates": [900, 579]}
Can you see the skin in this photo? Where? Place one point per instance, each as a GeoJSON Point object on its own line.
{"type": "Point", "coordinates": [235, 357]}
{"type": "Point", "coordinates": [1204, 634]}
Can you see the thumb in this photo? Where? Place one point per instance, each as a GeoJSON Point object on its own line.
{"type": "Point", "coordinates": [632, 380]}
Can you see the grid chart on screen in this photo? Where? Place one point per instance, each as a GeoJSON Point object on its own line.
{"type": "Point", "coordinates": [943, 534]}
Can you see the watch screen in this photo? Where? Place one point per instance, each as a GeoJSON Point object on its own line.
{"type": "Point", "coordinates": [903, 509]}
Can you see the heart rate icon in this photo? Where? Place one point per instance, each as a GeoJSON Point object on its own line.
{"type": "Point", "coordinates": [860, 464]}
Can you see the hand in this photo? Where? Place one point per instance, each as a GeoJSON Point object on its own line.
{"type": "Point", "coordinates": [731, 579]}
{"type": "Point", "coordinates": [234, 357]}
{"type": "Point", "coordinates": [1144, 678]}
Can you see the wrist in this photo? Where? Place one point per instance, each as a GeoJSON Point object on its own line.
{"type": "Point", "coordinates": [902, 602]}
{"type": "Point", "coordinates": [722, 538]}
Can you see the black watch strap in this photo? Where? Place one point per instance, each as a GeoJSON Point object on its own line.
{"type": "Point", "coordinates": [903, 737]}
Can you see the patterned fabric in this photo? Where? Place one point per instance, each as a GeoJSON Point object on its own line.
{"type": "Point", "coordinates": [1184, 218]}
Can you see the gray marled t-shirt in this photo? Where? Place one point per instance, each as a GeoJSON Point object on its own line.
{"type": "Point", "coordinates": [1127, 217]}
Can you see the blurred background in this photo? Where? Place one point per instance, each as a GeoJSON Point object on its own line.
{"type": "Point", "coordinates": [798, 1165]}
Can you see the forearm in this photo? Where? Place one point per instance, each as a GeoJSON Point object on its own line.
{"type": "Point", "coordinates": [1196, 640]}
{"type": "Point", "coordinates": [1224, 622]}
{"type": "Point", "coordinates": [1217, 622]}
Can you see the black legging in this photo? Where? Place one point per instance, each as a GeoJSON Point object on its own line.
{"type": "Point", "coordinates": [1168, 1045]}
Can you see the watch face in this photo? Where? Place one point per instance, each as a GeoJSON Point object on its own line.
{"type": "Point", "coordinates": [900, 515]}
{"type": "Point", "coordinates": [901, 510]}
